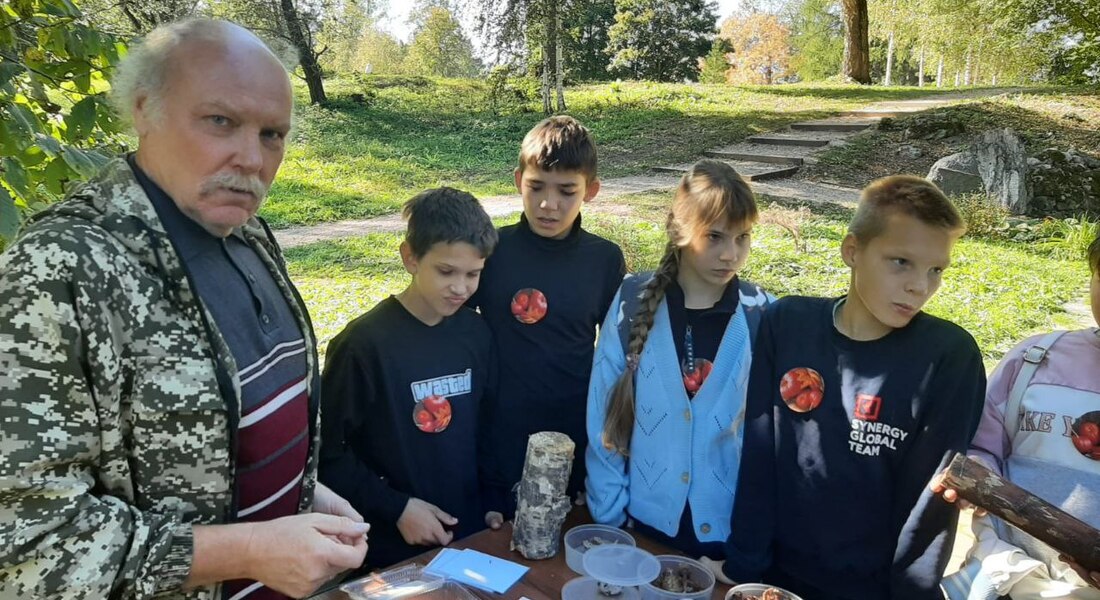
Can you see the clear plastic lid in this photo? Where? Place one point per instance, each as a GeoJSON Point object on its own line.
{"type": "Point", "coordinates": [621, 565]}
{"type": "Point", "coordinates": [409, 581]}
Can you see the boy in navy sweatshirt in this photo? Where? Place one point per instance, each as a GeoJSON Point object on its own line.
{"type": "Point", "coordinates": [854, 404]}
{"type": "Point", "coordinates": [403, 387]}
{"type": "Point", "coordinates": [543, 293]}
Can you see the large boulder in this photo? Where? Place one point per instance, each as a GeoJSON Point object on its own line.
{"type": "Point", "coordinates": [1002, 164]}
{"type": "Point", "coordinates": [957, 174]}
{"type": "Point", "coordinates": [995, 164]}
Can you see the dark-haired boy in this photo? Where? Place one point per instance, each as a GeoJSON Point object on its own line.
{"type": "Point", "coordinates": [543, 293]}
{"type": "Point", "coordinates": [853, 405]}
{"type": "Point", "coordinates": [403, 387]}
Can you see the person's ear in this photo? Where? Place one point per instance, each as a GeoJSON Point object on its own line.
{"type": "Point", "coordinates": [143, 119]}
{"type": "Point", "coordinates": [848, 249]}
{"type": "Point", "coordinates": [591, 189]}
{"type": "Point", "coordinates": [519, 180]}
{"type": "Point", "coordinates": [408, 258]}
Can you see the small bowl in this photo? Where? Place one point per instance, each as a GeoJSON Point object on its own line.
{"type": "Point", "coordinates": [756, 589]}
{"type": "Point", "coordinates": [576, 537]}
{"type": "Point", "coordinates": [700, 576]}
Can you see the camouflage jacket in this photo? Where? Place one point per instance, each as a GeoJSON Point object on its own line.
{"type": "Point", "coordinates": [118, 401]}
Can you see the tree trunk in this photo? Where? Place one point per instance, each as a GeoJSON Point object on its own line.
{"type": "Point", "coordinates": [559, 74]}
{"type": "Point", "coordinates": [966, 71]}
{"type": "Point", "coordinates": [300, 39]}
{"type": "Point", "coordinates": [939, 72]}
{"type": "Point", "coordinates": [1024, 510]}
{"type": "Point", "coordinates": [542, 503]}
{"type": "Point", "coordinates": [956, 78]}
{"type": "Point", "coordinates": [920, 71]}
{"type": "Point", "coordinates": [889, 58]}
{"type": "Point", "coordinates": [857, 64]}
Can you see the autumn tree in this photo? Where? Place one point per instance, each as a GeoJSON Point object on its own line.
{"type": "Point", "coordinates": [761, 48]}
{"type": "Point", "coordinates": [660, 40]}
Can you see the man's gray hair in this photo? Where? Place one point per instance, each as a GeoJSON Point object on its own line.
{"type": "Point", "coordinates": [144, 70]}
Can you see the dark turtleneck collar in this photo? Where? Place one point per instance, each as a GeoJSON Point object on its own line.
{"type": "Point", "coordinates": [574, 236]}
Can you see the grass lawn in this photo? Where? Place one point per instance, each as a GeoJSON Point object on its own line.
{"type": "Point", "coordinates": [1000, 292]}
{"type": "Point", "coordinates": [354, 159]}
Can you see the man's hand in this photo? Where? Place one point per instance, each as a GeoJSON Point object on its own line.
{"type": "Point", "coordinates": [328, 502]}
{"type": "Point", "coordinates": [293, 555]}
{"type": "Point", "coordinates": [494, 520]}
{"type": "Point", "coordinates": [1091, 577]}
{"type": "Point", "coordinates": [950, 495]}
{"type": "Point", "coordinates": [421, 523]}
{"type": "Point", "coordinates": [715, 567]}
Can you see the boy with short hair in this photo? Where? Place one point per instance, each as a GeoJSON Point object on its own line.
{"type": "Point", "coordinates": [854, 404]}
{"type": "Point", "coordinates": [403, 387]}
{"type": "Point", "coordinates": [543, 293]}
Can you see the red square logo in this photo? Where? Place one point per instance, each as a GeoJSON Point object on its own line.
{"type": "Point", "coordinates": [867, 407]}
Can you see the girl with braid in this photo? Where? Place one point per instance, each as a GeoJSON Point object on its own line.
{"type": "Point", "coordinates": [667, 393]}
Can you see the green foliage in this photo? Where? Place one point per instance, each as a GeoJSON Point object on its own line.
{"type": "Point", "coordinates": [660, 40]}
{"type": "Point", "coordinates": [983, 217]}
{"type": "Point", "coordinates": [817, 39]}
{"type": "Point", "coordinates": [715, 65]}
{"type": "Point", "coordinates": [55, 121]}
{"type": "Point", "coordinates": [439, 47]}
{"type": "Point", "coordinates": [585, 27]}
{"type": "Point", "coordinates": [1069, 239]}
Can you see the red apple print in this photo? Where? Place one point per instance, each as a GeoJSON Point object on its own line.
{"type": "Point", "coordinates": [802, 389]}
{"type": "Point", "coordinates": [696, 374]}
{"type": "Point", "coordinates": [432, 414]}
{"type": "Point", "coordinates": [1085, 434]}
{"type": "Point", "coordinates": [529, 306]}
{"type": "Point", "coordinates": [1091, 431]}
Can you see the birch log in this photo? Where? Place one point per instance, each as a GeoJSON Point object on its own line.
{"type": "Point", "coordinates": [543, 502]}
{"type": "Point", "coordinates": [1019, 507]}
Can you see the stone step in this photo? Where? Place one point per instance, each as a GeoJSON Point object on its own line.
{"type": "Point", "coordinates": [877, 114]}
{"type": "Point", "coordinates": [775, 140]}
{"type": "Point", "coordinates": [751, 171]}
{"type": "Point", "coordinates": [765, 153]}
{"type": "Point", "coordinates": [835, 125]}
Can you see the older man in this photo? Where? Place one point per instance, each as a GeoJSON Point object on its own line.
{"type": "Point", "coordinates": [158, 372]}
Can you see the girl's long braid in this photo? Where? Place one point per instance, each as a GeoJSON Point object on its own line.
{"type": "Point", "coordinates": [619, 422]}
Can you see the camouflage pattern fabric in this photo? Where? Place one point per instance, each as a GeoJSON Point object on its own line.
{"type": "Point", "coordinates": [116, 436]}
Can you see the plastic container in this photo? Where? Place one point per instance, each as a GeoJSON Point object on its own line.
{"type": "Point", "coordinates": [757, 589]}
{"type": "Point", "coordinates": [406, 582]}
{"type": "Point", "coordinates": [698, 574]}
{"type": "Point", "coordinates": [576, 538]}
{"type": "Point", "coordinates": [587, 588]}
{"type": "Point", "coordinates": [624, 566]}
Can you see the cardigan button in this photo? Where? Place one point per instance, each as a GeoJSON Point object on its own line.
{"type": "Point", "coordinates": [687, 415]}
{"type": "Point", "coordinates": [685, 477]}
{"type": "Point", "coordinates": [705, 528]}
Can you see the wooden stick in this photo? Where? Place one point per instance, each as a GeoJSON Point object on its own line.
{"type": "Point", "coordinates": [543, 503]}
{"type": "Point", "coordinates": [1024, 510]}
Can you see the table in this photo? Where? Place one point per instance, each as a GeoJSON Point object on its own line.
{"type": "Point", "coordinates": [545, 578]}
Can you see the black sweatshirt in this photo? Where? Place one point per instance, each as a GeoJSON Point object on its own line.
{"type": "Point", "coordinates": [389, 387]}
{"type": "Point", "coordinates": [544, 364]}
{"type": "Point", "coordinates": [833, 503]}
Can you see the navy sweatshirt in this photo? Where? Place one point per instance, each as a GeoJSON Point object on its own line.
{"type": "Point", "coordinates": [544, 343]}
{"type": "Point", "coordinates": [400, 405]}
{"type": "Point", "coordinates": [833, 502]}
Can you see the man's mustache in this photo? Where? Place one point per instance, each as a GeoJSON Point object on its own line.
{"type": "Point", "coordinates": [245, 183]}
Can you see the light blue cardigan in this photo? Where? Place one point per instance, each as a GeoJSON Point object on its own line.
{"type": "Point", "coordinates": [681, 448]}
